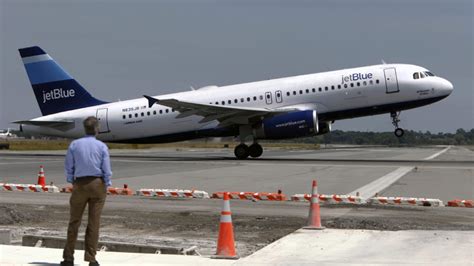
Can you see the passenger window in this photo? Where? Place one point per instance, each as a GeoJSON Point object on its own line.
{"type": "Point", "coordinates": [345, 85]}
{"type": "Point", "coordinates": [260, 97]}
{"type": "Point", "coordinates": [377, 81]}
{"type": "Point", "coordinates": [242, 100]}
{"type": "Point", "coordinates": [136, 115]}
{"type": "Point", "coordinates": [229, 102]}
{"type": "Point", "coordinates": [371, 82]}
{"type": "Point", "coordinates": [124, 116]}
{"type": "Point", "coordinates": [339, 86]}
{"type": "Point", "coordinates": [416, 75]}
{"type": "Point", "coordinates": [248, 99]}
{"type": "Point", "coordinates": [301, 91]}
{"type": "Point", "coordinates": [358, 84]}
{"type": "Point", "coordinates": [166, 110]}
{"type": "Point", "coordinates": [307, 91]}
{"type": "Point", "coordinates": [148, 113]}
{"type": "Point", "coordinates": [287, 93]}
{"type": "Point", "coordinates": [365, 83]}
{"type": "Point", "coordinates": [313, 90]}
{"type": "Point", "coordinates": [325, 88]}
{"type": "Point", "coordinates": [143, 114]}
{"type": "Point", "coordinates": [352, 85]}
{"type": "Point", "coordinates": [254, 98]}
{"type": "Point", "coordinates": [294, 92]}
{"type": "Point", "coordinates": [236, 101]}
{"type": "Point", "coordinates": [268, 96]}
{"type": "Point", "coordinates": [332, 87]}
{"type": "Point", "coordinates": [154, 112]}
{"type": "Point", "coordinates": [130, 116]}
{"type": "Point", "coordinates": [161, 111]}
{"type": "Point", "coordinates": [223, 102]}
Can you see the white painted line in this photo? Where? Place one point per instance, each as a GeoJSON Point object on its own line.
{"type": "Point", "coordinates": [437, 154]}
{"type": "Point", "coordinates": [382, 183]}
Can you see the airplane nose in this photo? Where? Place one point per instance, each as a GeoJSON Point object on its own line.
{"type": "Point", "coordinates": [447, 86]}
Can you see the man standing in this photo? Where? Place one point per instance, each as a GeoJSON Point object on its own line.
{"type": "Point", "coordinates": [87, 167]}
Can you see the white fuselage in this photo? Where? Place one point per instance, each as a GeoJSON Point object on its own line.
{"type": "Point", "coordinates": [334, 95]}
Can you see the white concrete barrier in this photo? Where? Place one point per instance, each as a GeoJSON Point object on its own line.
{"type": "Point", "coordinates": [331, 199]}
{"type": "Point", "coordinates": [405, 201]}
{"type": "Point", "coordinates": [173, 193]}
{"type": "Point", "coordinates": [28, 187]}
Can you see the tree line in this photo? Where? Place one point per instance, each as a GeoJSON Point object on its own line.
{"type": "Point", "coordinates": [460, 137]}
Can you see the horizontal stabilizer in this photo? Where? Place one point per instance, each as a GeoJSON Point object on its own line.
{"type": "Point", "coordinates": [53, 124]}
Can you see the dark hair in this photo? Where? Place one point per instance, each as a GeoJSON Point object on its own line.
{"type": "Point", "coordinates": [91, 126]}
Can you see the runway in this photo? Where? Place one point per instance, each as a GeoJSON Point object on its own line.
{"type": "Point", "coordinates": [447, 176]}
{"type": "Point", "coordinates": [432, 172]}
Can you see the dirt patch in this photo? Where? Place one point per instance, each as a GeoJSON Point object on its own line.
{"type": "Point", "coordinates": [200, 228]}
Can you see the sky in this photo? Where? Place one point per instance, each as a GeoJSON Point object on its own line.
{"type": "Point", "coordinates": [124, 49]}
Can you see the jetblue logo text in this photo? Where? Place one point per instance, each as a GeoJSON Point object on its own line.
{"type": "Point", "coordinates": [355, 77]}
{"type": "Point", "coordinates": [56, 94]}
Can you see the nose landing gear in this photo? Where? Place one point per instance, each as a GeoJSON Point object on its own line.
{"type": "Point", "coordinates": [395, 119]}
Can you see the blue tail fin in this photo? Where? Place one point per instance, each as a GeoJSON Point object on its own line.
{"type": "Point", "coordinates": [55, 90]}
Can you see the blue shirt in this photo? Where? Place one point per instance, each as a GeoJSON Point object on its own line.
{"type": "Point", "coordinates": [87, 156]}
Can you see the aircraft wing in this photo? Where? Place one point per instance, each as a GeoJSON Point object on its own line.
{"type": "Point", "coordinates": [226, 115]}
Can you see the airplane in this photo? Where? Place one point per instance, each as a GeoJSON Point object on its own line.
{"type": "Point", "coordinates": [7, 134]}
{"type": "Point", "coordinates": [282, 108]}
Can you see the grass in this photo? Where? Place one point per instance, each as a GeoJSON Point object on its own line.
{"type": "Point", "coordinates": [32, 145]}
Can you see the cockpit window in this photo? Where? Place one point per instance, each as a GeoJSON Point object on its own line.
{"type": "Point", "coordinates": [416, 75]}
{"type": "Point", "coordinates": [422, 75]}
{"type": "Point", "coordinates": [429, 74]}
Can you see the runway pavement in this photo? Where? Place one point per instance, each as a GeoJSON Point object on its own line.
{"type": "Point", "coordinates": [434, 172]}
{"type": "Point", "coordinates": [447, 176]}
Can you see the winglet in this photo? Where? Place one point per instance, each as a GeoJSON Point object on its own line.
{"type": "Point", "coordinates": [151, 100]}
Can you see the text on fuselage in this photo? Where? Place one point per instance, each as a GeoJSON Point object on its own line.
{"type": "Point", "coordinates": [356, 76]}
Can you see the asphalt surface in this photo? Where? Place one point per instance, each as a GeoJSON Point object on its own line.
{"type": "Point", "coordinates": [338, 171]}
{"type": "Point", "coordinates": [185, 222]}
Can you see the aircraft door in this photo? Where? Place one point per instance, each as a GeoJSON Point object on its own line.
{"type": "Point", "coordinates": [278, 97]}
{"type": "Point", "coordinates": [391, 81]}
{"type": "Point", "coordinates": [103, 121]}
{"type": "Point", "coordinates": [268, 98]}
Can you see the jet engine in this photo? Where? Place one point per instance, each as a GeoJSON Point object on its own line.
{"type": "Point", "coordinates": [323, 128]}
{"type": "Point", "coordinates": [289, 125]}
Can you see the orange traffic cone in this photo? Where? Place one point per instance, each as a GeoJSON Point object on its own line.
{"type": "Point", "coordinates": [41, 177]}
{"type": "Point", "coordinates": [314, 219]}
{"type": "Point", "coordinates": [225, 243]}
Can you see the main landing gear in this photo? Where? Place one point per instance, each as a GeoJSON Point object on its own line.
{"type": "Point", "coordinates": [242, 151]}
{"type": "Point", "coordinates": [395, 119]}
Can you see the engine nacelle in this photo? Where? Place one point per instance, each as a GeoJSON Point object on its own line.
{"type": "Point", "coordinates": [323, 128]}
{"type": "Point", "coordinates": [289, 125]}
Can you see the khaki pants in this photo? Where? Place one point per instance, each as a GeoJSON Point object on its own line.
{"type": "Point", "coordinates": [86, 191]}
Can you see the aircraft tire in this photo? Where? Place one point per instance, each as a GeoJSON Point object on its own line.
{"type": "Point", "coordinates": [241, 151]}
{"type": "Point", "coordinates": [255, 150]}
{"type": "Point", "coordinates": [399, 132]}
